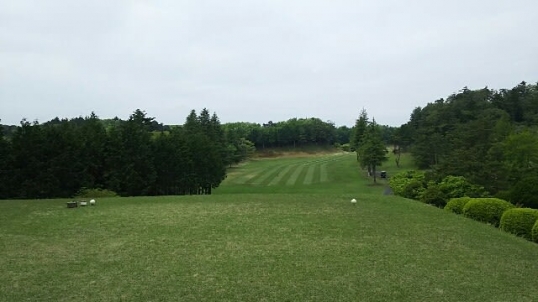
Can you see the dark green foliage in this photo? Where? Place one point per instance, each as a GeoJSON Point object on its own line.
{"type": "Point", "coordinates": [358, 132]}
{"type": "Point", "coordinates": [519, 221]}
{"type": "Point", "coordinates": [535, 232]}
{"type": "Point", "coordinates": [5, 163]}
{"type": "Point", "coordinates": [488, 210]}
{"type": "Point", "coordinates": [458, 186]}
{"type": "Point", "coordinates": [134, 157]}
{"type": "Point", "coordinates": [343, 134]}
{"type": "Point", "coordinates": [434, 195]}
{"type": "Point", "coordinates": [525, 191]}
{"type": "Point", "coordinates": [372, 152]}
{"type": "Point", "coordinates": [455, 205]}
{"type": "Point", "coordinates": [449, 187]}
{"type": "Point", "coordinates": [291, 133]}
{"type": "Point", "coordinates": [345, 148]}
{"type": "Point", "coordinates": [133, 172]}
{"type": "Point", "coordinates": [408, 184]}
{"type": "Point", "coordinates": [487, 136]}
{"type": "Point", "coordinates": [95, 193]}
{"type": "Point", "coordinates": [238, 148]}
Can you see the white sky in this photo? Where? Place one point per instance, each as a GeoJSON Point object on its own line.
{"type": "Point", "coordinates": [256, 61]}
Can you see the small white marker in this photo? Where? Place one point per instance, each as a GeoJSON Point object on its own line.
{"type": "Point", "coordinates": [353, 201]}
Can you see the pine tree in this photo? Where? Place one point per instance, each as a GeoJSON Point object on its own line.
{"type": "Point", "coordinates": [358, 132]}
{"type": "Point", "coordinates": [5, 163]}
{"type": "Point", "coordinates": [373, 150]}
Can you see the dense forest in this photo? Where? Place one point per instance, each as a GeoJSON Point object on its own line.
{"type": "Point", "coordinates": [488, 137]}
{"type": "Point", "coordinates": [140, 156]}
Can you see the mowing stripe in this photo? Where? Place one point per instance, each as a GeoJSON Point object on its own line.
{"type": "Point", "coordinates": [295, 175]}
{"type": "Point", "coordinates": [264, 175]}
{"type": "Point", "coordinates": [280, 175]}
{"type": "Point", "coordinates": [309, 175]}
{"type": "Point", "coordinates": [301, 177]}
{"type": "Point", "coordinates": [246, 176]}
{"type": "Point", "coordinates": [289, 173]}
{"type": "Point", "coordinates": [323, 175]}
{"type": "Point", "coordinates": [323, 160]}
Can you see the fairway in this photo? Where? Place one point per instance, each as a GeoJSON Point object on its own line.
{"type": "Point", "coordinates": [276, 230]}
{"type": "Point", "coordinates": [337, 172]}
{"type": "Point", "coordinates": [290, 172]}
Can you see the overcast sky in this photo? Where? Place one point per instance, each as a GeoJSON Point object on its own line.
{"type": "Point", "coordinates": [256, 61]}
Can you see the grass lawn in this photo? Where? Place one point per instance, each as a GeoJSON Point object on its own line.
{"type": "Point", "coordinates": [334, 173]}
{"type": "Point", "coordinates": [297, 238]}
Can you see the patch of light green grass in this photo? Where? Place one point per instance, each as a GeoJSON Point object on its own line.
{"type": "Point", "coordinates": [323, 175]}
{"type": "Point", "coordinates": [309, 178]}
{"type": "Point", "coordinates": [284, 173]}
{"type": "Point", "coordinates": [293, 177]}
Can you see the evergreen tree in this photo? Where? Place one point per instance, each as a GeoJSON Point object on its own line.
{"type": "Point", "coordinates": [129, 159]}
{"type": "Point", "coordinates": [29, 159]}
{"type": "Point", "coordinates": [357, 133]}
{"type": "Point", "coordinates": [372, 149]}
{"type": "Point", "coordinates": [5, 166]}
{"type": "Point", "coordinates": [172, 160]}
{"type": "Point", "coordinates": [92, 152]}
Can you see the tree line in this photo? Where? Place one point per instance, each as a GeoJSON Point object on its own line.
{"type": "Point", "coordinates": [294, 132]}
{"type": "Point", "coordinates": [140, 156]}
{"type": "Point", "coordinates": [489, 137]}
{"type": "Point", "coordinates": [133, 157]}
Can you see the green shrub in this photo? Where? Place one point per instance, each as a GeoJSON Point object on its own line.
{"type": "Point", "coordinates": [459, 186]}
{"type": "Point", "coordinates": [409, 184]}
{"type": "Point", "coordinates": [95, 193]}
{"type": "Point", "coordinates": [519, 221]}
{"type": "Point", "coordinates": [345, 147]}
{"type": "Point", "coordinates": [488, 210]}
{"type": "Point", "coordinates": [455, 205]}
{"type": "Point", "coordinates": [433, 195]}
{"type": "Point", "coordinates": [535, 232]}
{"type": "Point", "coordinates": [525, 192]}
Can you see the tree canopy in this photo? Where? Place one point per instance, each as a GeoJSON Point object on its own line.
{"type": "Point", "coordinates": [488, 136]}
{"type": "Point", "coordinates": [133, 157]}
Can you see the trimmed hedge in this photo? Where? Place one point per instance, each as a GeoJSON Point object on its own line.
{"type": "Point", "coordinates": [519, 221]}
{"type": "Point", "coordinates": [455, 205]}
{"type": "Point", "coordinates": [488, 210]}
{"type": "Point", "coordinates": [535, 232]}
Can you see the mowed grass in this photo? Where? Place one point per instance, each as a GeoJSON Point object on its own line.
{"type": "Point", "coordinates": [276, 244]}
{"type": "Point", "coordinates": [336, 173]}
{"type": "Point", "coordinates": [314, 173]}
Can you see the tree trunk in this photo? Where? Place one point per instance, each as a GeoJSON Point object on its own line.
{"type": "Point", "coordinates": [375, 178]}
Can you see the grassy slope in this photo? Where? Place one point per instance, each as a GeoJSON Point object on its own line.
{"type": "Point", "coordinates": [278, 247]}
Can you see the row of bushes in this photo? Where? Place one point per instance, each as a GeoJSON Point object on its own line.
{"type": "Point", "coordinates": [429, 188]}
{"type": "Point", "coordinates": [419, 185]}
{"type": "Point", "coordinates": [500, 213]}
